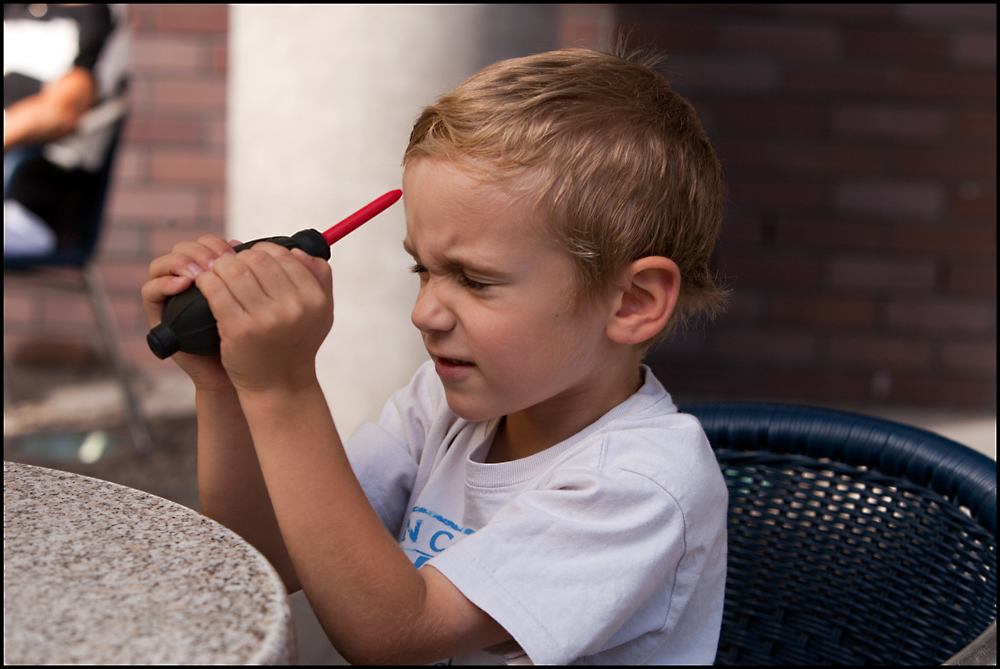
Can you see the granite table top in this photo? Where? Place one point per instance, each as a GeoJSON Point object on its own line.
{"type": "Point", "coordinates": [99, 573]}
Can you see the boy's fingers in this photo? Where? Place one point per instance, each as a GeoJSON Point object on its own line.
{"type": "Point", "coordinates": [298, 266]}
{"type": "Point", "coordinates": [319, 267]}
{"type": "Point", "coordinates": [245, 279]}
{"type": "Point", "coordinates": [191, 258]}
{"type": "Point", "coordinates": [217, 244]}
{"type": "Point", "coordinates": [220, 298]}
{"type": "Point", "coordinates": [156, 291]}
{"type": "Point", "coordinates": [175, 264]}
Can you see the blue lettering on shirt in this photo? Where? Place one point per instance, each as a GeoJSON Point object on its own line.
{"type": "Point", "coordinates": [427, 535]}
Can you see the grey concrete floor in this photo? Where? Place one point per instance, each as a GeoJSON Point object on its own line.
{"type": "Point", "coordinates": [48, 411]}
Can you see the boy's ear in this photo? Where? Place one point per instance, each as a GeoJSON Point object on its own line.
{"type": "Point", "coordinates": [645, 297]}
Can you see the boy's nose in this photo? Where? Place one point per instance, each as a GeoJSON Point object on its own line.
{"type": "Point", "coordinates": [429, 313]}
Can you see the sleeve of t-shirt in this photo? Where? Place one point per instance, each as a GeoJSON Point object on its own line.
{"type": "Point", "coordinates": [385, 455]}
{"type": "Point", "coordinates": [564, 567]}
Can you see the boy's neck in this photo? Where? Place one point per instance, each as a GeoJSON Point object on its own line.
{"type": "Point", "coordinates": [533, 430]}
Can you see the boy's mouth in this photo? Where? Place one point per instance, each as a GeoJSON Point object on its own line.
{"type": "Point", "coordinates": [452, 361]}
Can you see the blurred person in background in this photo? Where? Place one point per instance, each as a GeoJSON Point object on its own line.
{"type": "Point", "coordinates": [64, 78]}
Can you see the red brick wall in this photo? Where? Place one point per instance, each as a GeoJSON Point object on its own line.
{"type": "Point", "coordinates": [859, 147]}
{"type": "Point", "coordinates": [169, 180]}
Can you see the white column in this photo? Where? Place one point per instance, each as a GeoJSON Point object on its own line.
{"type": "Point", "coordinates": [321, 103]}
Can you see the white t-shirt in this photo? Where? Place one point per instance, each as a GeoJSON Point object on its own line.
{"type": "Point", "coordinates": [607, 548]}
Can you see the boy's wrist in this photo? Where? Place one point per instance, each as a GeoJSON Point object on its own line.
{"type": "Point", "coordinates": [280, 396]}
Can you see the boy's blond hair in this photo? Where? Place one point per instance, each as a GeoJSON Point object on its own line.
{"type": "Point", "coordinates": [620, 160]}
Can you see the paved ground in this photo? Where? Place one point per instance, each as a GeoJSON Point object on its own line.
{"type": "Point", "coordinates": [53, 409]}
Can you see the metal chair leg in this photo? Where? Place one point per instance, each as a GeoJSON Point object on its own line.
{"type": "Point", "coordinates": [99, 300]}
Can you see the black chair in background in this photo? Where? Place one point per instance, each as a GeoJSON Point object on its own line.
{"type": "Point", "coordinates": [852, 540]}
{"type": "Point", "coordinates": [80, 256]}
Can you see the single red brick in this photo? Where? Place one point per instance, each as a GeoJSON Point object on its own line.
{"type": "Point", "coordinates": [831, 234]}
{"type": "Point", "coordinates": [973, 199]}
{"type": "Point", "coordinates": [777, 193]}
{"type": "Point", "coordinates": [823, 311]}
{"type": "Point", "coordinates": [741, 228]}
{"type": "Point", "coordinates": [769, 269]}
{"type": "Point", "coordinates": [153, 204]}
{"type": "Point", "coordinates": [128, 314]}
{"type": "Point", "coordinates": [882, 273]}
{"type": "Point", "coordinates": [197, 167]}
{"type": "Point", "coordinates": [217, 207]}
{"type": "Point", "coordinates": [215, 133]}
{"type": "Point", "coordinates": [587, 26]}
{"type": "Point", "coordinates": [979, 358]}
{"type": "Point", "coordinates": [780, 39]}
{"type": "Point", "coordinates": [975, 49]}
{"type": "Point", "coordinates": [69, 310]}
{"type": "Point", "coordinates": [219, 57]}
{"type": "Point", "coordinates": [190, 96]}
{"type": "Point", "coordinates": [158, 52]}
{"type": "Point", "coordinates": [128, 275]}
{"type": "Point", "coordinates": [687, 381]}
{"type": "Point", "coordinates": [145, 129]}
{"type": "Point", "coordinates": [742, 153]}
{"type": "Point", "coordinates": [721, 73]}
{"type": "Point", "coordinates": [878, 352]}
{"type": "Point", "coordinates": [922, 200]}
{"type": "Point", "coordinates": [948, 15]}
{"type": "Point", "coordinates": [973, 278]}
{"type": "Point", "coordinates": [770, 346]}
{"type": "Point", "coordinates": [949, 241]}
{"type": "Point", "coordinates": [162, 240]}
{"type": "Point", "coordinates": [976, 125]}
{"type": "Point", "coordinates": [197, 18]}
{"type": "Point", "coordinates": [120, 242]}
{"type": "Point", "coordinates": [779, 116]}
{"type": "Point", "coordinates": [948, 85]}
{"type": "Point", "coordinates": [941, 391]}
{"type": "Point", "coordinates": [895, 44]}
{"type": "Point", "coordinates": [141, 18]}
{"type": "Point", "coordinates": [801, 385]}
{"type": "Point", "coordinates": [676, 36]}
{"type": "Point", "coordinates": [957, 163]}
{"type": "Point", "coordinates": [891, 122]}
{"type": "Point", "coordinates": [835, 82]}
{"type": "Point", "coordinates": [131, 165]}
{"type": "Point", "coordinates": [974, 317]}
{"type": "Point", "coordinates": [832, 159]}
{"type": "Point", "coordinates": [864, 12]}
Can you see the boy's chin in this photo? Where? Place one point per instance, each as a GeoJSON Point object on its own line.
{"type": "Point", "coordinates": [469, 410]}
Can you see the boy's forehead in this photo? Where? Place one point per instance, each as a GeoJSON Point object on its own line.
{"type": "Point", "coordinates": [437, 188]}
{"type": "Point", "coordinates": [456, 220]}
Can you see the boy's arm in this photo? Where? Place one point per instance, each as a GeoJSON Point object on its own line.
{"type": "Point", "coordinates": [230, 484]}
{"type": "Point", "coordinates": [274, 308]}
{"type": "Point", "coordinates": [231, 488]}
{"type": "Point", "coordinates": [373, 604]}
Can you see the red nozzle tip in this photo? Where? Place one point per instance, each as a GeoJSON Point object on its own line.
{"type": "Point", "coordinates": [361, 216]}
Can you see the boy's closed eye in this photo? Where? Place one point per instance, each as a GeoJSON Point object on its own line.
{"type": "Point", "coordinates": [463, 279]}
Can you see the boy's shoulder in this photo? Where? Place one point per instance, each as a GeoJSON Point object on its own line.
{"type": "Point", "coordinates": [651, 438]}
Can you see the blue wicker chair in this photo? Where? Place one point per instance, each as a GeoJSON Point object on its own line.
{"type": "Point", "coordinates": [853, 540]}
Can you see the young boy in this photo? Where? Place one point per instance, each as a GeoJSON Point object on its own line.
{"type": "Point", "coordinates": [561, 210]}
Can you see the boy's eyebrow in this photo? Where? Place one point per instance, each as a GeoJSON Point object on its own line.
{"type": "Point", "coordinates": [465, 264]}
{"type": "Point", "coordinates": [409, 249]}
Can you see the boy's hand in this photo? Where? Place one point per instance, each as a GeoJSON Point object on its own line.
{"type": "Point", "coordinates": [274, 307]}
{"type": "Point", "coordinates": [174, 273]}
